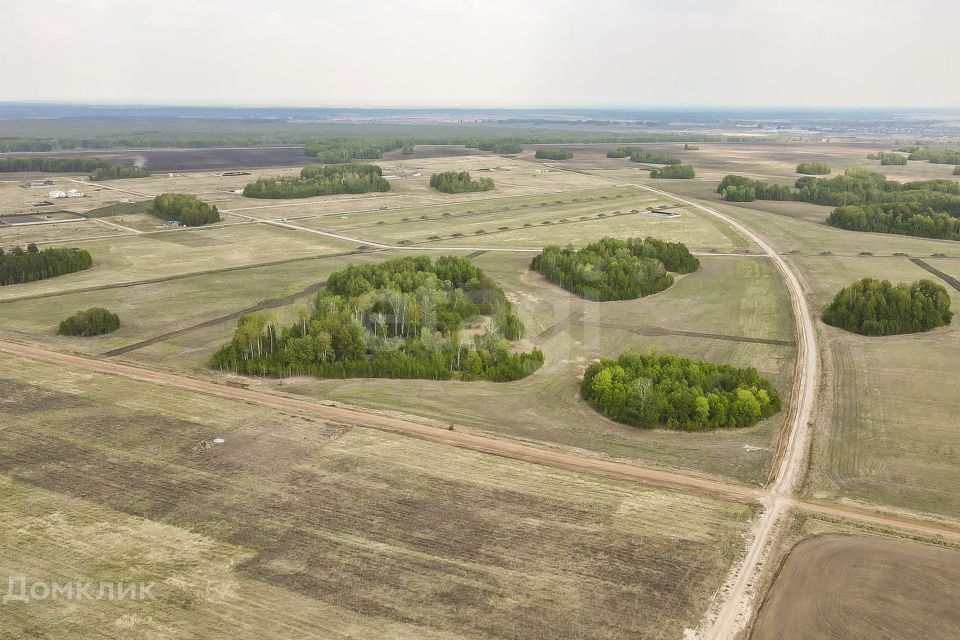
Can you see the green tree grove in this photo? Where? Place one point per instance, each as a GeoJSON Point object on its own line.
{"type": "Point", "coordinates": [459, 182]}
{"type": "Point", "coordinates": [185, 209]}
{"type": "Point", "coordinates": [21, 265]}
{"type": "Point", "coordinates": [614, 269]}
{"type": "Point", "coordinates": [678, 393]}
{"type": "Point", "coordinates": [403, 318]}
{"type": "Point", "coordinates": [878, 308]}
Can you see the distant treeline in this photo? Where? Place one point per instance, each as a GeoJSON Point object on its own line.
{"type": "Point", "coordinates": [888, 158]}
{"type": "Point", "coordinates": [684, 171]}
{"type": "Point", "coordinates": [678, 393]}
{"type": "Point", "coordinates": [185, 209]}
{"type": "Point", "coordinates": [614, 269]}
{"type": "Point", "coordinates": [895, 218]}
{"type": "Point", "coordinates": [340, 151]}
{"type": "Point", "coordinates": [553, 154]}
{"type": "Point", "coordinates": [459, 182]}
{"type": "Point", "coordinates": [19, 265]}
{"type": "Point", "coordinates": [90, 322]}
{"type": "Point", "coordinates": [52, 164]}
{"type": "Point", "coordinates": [813, 168]}
{"type": "Point", "coordinates": [116, 172]}
{"type": "Point", "coordinates": [97, 168]}
{"type": "Point", "coordinates": [213, 133]}
{"type": "Point", "coordinates": [495, 146]}
{"type": "Point", "coordinates": [877, 308]}
{"type": "Point", "coordinates": [639, 154]}
{"type": "Point", "coordinates": [866, 201]}
{"type": "Point", "coordinates": [936, 156]}
{"type": "Point", "coordinates": [321, 181]}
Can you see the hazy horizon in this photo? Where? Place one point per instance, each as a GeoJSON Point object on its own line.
{"type": "Point", "coordinates": [616, 54]}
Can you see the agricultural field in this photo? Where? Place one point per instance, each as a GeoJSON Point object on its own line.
{"type": "Point", "coordinates": [884, 434]}
{"type": "Point", "coordinates": [322, 529]}
{"type": "Point", "coordinates": [858, 587]}
{"type": "Point", "coordinates": [750, 328]}
{"type": "Point", "coordinates": [302, 528]}
{"type": "Point", "coordinates": [776, 161]}
{"type": "Point", "coordinates": [225, 269]}
{"type": "Point", "coordinates": [889, 405]}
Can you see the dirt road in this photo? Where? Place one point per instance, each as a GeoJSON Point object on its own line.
{"type": "Point", "coordinates": [737, 608]}
{"type": "Point", "coordinates": [362, 418]}
{"type": "Point", "coordinates": [484, 444]}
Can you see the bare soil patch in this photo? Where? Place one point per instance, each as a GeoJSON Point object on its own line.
{"type": "Point", "coordinates": [17, 398]}
{"type": "Point", "coordinates": [852, 588]}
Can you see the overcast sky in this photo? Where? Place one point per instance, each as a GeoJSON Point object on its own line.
{"type": "Point", "coordinates": [483, 52]}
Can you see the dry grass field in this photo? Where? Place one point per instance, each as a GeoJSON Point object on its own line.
{"type": "Point", "coordinates": [849, 587]}
{"type": "Point", "coordinates": [767, 160]}
{"type": "Point", "coordinates": [729, 303]}
{"type": "Point", "coordinates": [299, 529]}
{"type": "Point", "coordinates": [134, 258]}
{"type": "Point", "coordinates": [884, 431]}
{"type": "Point", "coordinates": [216, 269]}
{"type": "Point", "coordinates": [150, 310]}
{"type": "Point", "coordinates": [303, 529]}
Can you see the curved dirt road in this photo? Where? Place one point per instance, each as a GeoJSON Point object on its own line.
{"type": "Point", "coordinates": [736, 609]}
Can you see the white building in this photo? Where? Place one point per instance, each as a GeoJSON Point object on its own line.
{"type": "Point", "coordinates": [73, 193]}
{"type": "Point", "coordinates": [56, 194]}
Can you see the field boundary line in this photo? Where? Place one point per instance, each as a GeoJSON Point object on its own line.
{"type": "Point", "coordinates": [953, 282]}
{"type": "Point", "coordinates": [263, 305]}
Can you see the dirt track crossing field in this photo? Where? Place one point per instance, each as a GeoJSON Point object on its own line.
{"type": "Point", "coordinates": [262, 306]}
{"type": "Point", "coordinates": [649, 330]}
{"type": "Point", "coordinates": [953, 282]}
{"type": "Point", "coordinates": [839, 587]}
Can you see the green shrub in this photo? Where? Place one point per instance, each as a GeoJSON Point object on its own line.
{"type": "Point", "coordinates": [813, 168]}
{"type": "Point", "coordinates": [90, 322]}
